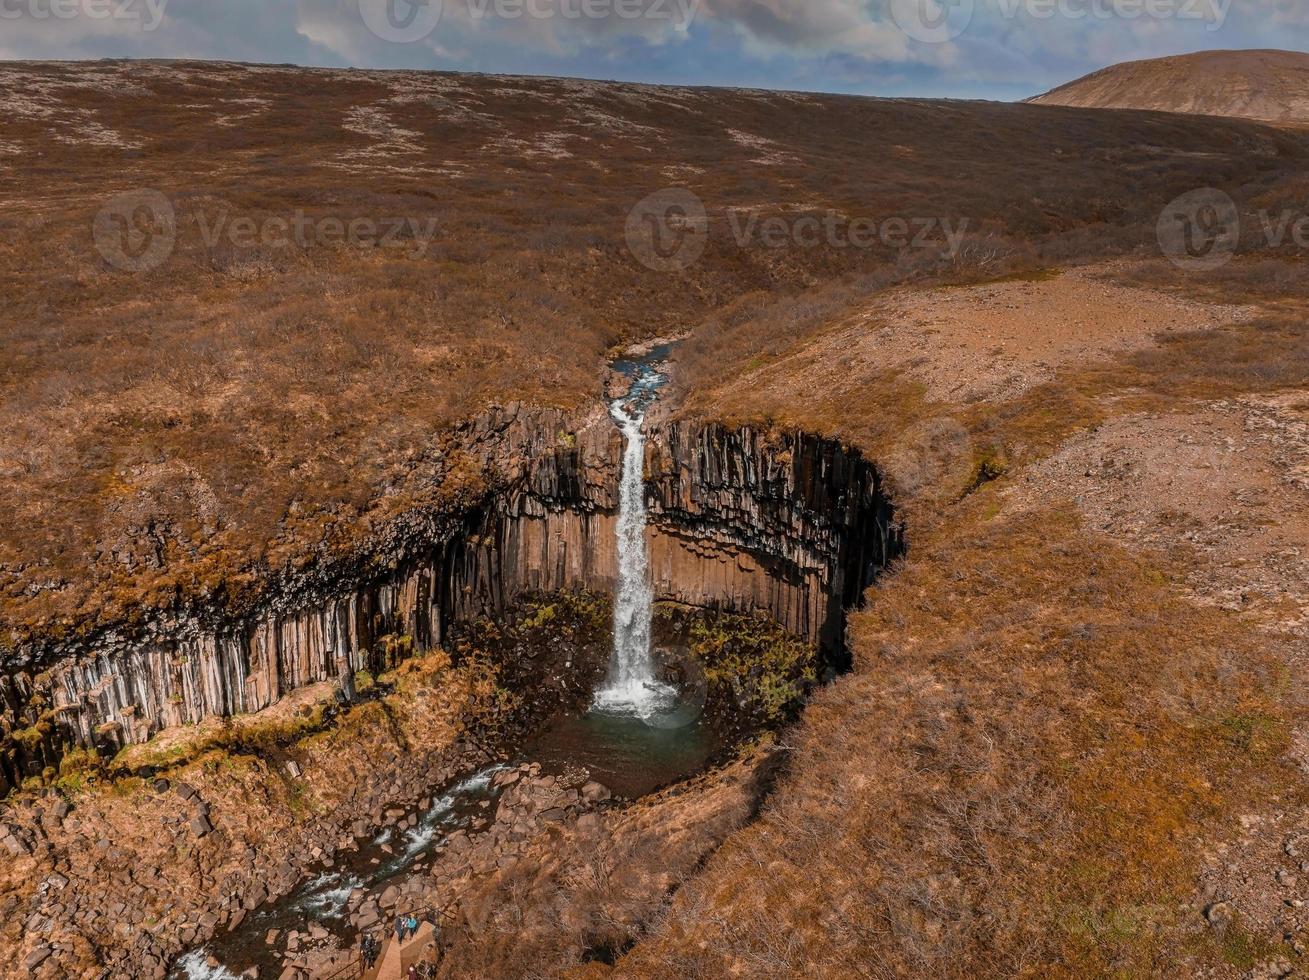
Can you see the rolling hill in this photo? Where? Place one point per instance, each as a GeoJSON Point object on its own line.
{"type": "Point", "coordinates": [1272, 86]}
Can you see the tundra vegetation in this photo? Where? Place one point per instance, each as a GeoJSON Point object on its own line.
{"type": "Point", "coordinates": [1045, 740]}
{"type": "Point", "coordinates": [173, 436]}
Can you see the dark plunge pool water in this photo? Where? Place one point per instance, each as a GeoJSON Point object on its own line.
{"type": "Point", "coordinates": [630, 755]}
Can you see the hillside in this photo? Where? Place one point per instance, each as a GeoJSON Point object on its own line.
{"type": "Point", "coordinates": [179, 432]}
{"type": "Point", "coordinates": [1272, 86]}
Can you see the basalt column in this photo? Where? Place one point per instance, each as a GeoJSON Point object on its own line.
{"type": "Point", "coordinates": [790, 525]}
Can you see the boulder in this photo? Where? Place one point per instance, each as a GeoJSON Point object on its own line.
{"type": "Point", "coordinates": [256, 897]}
{"type": "Point", "coordinates": [36, 957]}
{"type": "Point", "coordinates": [368, 917]}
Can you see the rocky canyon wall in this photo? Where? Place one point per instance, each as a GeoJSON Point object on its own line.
{"type": "Point", "coordinates": [794, 526]}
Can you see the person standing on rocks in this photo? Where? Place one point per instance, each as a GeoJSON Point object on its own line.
{"type": "Point", "coordinates": [371, 948]}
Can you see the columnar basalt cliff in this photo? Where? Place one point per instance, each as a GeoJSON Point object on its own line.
{"type": "Point", "coordinates": [793, 525]}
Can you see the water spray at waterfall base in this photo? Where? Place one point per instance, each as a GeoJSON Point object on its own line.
{"type": "Point", "coordinates": [632, 687]}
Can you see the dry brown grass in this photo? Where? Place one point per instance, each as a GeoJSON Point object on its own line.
{"type": "Point", "coordinates": [1042, 736]}
{"type": "Point", "coordinates": [933, 450]}
{"type": "Point", "coordinates": [179, 434]}
{"type": "Point", "coordinates": [1268, 354]}
{"type": "Point", "coordinates": [1039, 734]}
{"type": "Point", "coordinates": [1015, 781]}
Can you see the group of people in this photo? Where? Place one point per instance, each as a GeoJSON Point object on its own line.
{"type": "Point", "coordinates": [405, 926]}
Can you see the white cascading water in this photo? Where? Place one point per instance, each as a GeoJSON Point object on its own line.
{"type": "Point", "coordinates": [631, 686]}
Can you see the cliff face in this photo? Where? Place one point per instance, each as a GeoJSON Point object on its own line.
{"type": "Point", "coordinates": [795, 527]}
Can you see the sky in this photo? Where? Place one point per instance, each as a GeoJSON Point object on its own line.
{"type": "Point", "coordinates": [977, 49]}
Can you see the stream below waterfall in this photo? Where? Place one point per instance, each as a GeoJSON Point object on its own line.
{"type": "Point", "coordinates": [639, 735]}
{"type": "Point", "coordinates": [323, 900]}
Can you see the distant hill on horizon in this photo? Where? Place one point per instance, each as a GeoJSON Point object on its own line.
{"type": "Point", "coordinates": [1268, 85]}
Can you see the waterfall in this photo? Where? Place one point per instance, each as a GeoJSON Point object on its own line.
{"type": "Point", "coordinates": [631, 686]}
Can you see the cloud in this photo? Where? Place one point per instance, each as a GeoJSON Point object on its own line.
{"type": "Point", "coordinates": [850, 27]}
{"type": "Point", "coordinates": [1010, 48]}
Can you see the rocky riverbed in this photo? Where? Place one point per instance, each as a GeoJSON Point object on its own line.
{"type": "Point", "coordinates": [416, 864]}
